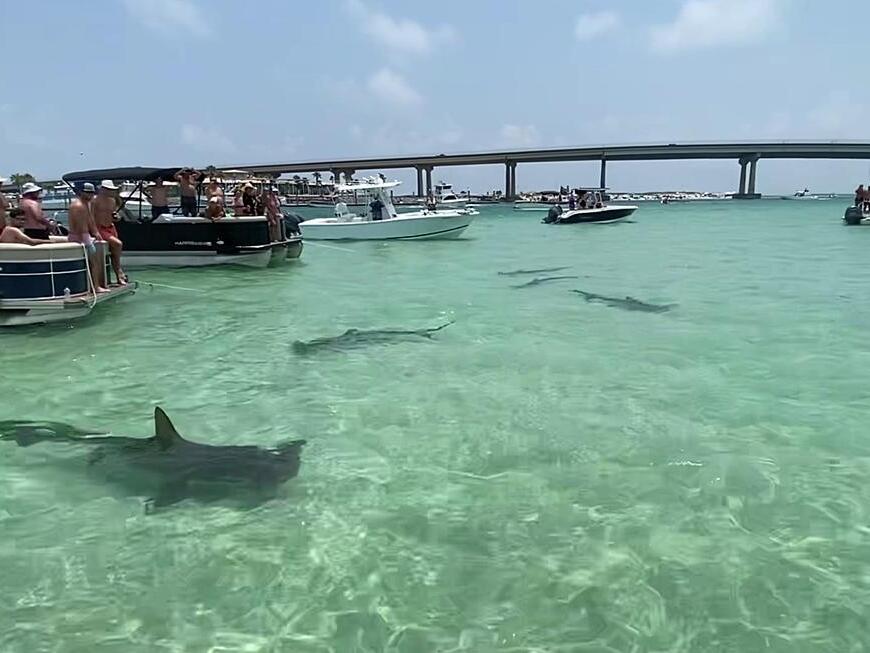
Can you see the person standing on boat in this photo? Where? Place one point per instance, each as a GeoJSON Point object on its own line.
{"type": "Point", "coordinates": [83, 230]}
{"type": "Point", "coordinates": [36, 224]}
{"type": "Point", "coordinates": [249, 199]}
{"type": "Point", "coordinates": [104, 208]}
{"type": "Point", "coordinates": [859, 195]}
{"type": "Point", "coordinates": [159, 199]}
{"type": "Point", "coordinates": [272, 205]}
{"type": "Point", "coordinates": [4, 206]}
{"type": "Point", "coordinates": [214, 190]}
{"type": "Point", "coordinates": [187, 178]}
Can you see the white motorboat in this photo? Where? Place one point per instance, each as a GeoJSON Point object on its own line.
{"type": "Point", "coordinates": [446, 197]}
{"type": "Point", "coordinates": [381, 221]}
{"type": "Point", "coordinates": [592, 208]}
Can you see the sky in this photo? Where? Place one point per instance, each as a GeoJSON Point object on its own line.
{"type": "Point", "coordinates": [198, 82]}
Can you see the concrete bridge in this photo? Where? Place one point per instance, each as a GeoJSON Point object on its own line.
{"type": "Point", "coordinates": [746, 154]}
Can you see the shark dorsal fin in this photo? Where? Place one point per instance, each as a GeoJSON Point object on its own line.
{"type": "Point", "coordinates": [164, 431]}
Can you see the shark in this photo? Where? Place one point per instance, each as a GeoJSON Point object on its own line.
{"type": "Point", "coordinates": [356, 339]}
{"type": "Point", "coordinates": [625, 303]}
{"type": "Point", "coordinates": [514, 273]}
{"type": "Point", "coordinates": [166, 467]}
{"type": "Point", "coordinates": [537, 281]}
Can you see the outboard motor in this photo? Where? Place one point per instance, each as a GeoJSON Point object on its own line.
{"type": "Point", "coordinates": [853, 215]}
{"type": "Point", "coordinates": [553, 214]}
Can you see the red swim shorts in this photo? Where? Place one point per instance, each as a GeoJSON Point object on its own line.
{"type": "Point", "coordinates": [107, 232]}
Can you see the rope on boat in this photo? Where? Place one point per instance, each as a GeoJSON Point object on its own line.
{"type": "Point", "coordinates": [340, 249]}
{"type": "Point", "coordinates": [163, 285]}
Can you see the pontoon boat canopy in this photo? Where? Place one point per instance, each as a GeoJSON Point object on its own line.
{"type": "Point", "coordinates": [121, 174]}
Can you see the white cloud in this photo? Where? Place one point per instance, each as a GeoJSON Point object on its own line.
{"type": "Point", "coordinates": [711, 23]}
{"type": "Point", "coordinates": [170, 16]}
{"type": "Point", "coordinates": [595, 24]}
{"type": "Point", "coordinates": [393, 89]}
{"type": "Point", "coordinates": [399, 34]}
{"type": "Point", "coordinates": [519, 135]}
{"type": "Point", "coordinates": [206, 139]}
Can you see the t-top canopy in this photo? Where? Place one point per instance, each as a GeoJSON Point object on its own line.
{"type": "Point", "coordinates": [121, 174]}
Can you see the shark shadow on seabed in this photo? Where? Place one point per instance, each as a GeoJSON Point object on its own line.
{"type": "Point", "coordinates": [514, 273]}
{"type": "Point", "coordinates": [166, 468]}
{"type": "Point", "coordinates": [357, 339]}
{"type": "Point", "coordinates": [537, 281]}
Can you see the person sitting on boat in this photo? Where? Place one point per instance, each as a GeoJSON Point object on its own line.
{"type": "Point", "coordinates": [187, 178]}
{"type": "Point", "coordinates": [272, 205]}
{"type": "Point", "coordinates": [105, 211]}
{"type": "Point", "coordinates": [159, 198]}
{"type": "Point", "coordinates": [215, 209]}
{"type": "Point", "coordinates": [83, 230]}
{"type": "Point", "coordinates": [13, 232]}
{"type": "Point", "coordinates": [36, 224]}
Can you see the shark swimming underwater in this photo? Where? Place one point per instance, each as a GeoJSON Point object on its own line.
{"type": "Point", "coordinates": [625, 303]}
{"type": "Point", "coordinates": [356, 339]}
{"type": "Point", "coordinates": [166, 468]}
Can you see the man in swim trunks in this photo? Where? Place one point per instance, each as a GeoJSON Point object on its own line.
{"type": "Point", "coordinates": [159, 200]}
{"type": "Point", "coordinates": [13, 232]}
{"type": "Point", "coordinates": [82, 229]}
{"type": "Point", "coordinates": [187, 178]}
{"type": "Point", "coordinates": [36, 224]}
{"type": "Point", "coordinates": [104, 209]}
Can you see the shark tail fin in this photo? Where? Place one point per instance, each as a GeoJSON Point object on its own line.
{"type": "Point", "coordinates": [164, 431]}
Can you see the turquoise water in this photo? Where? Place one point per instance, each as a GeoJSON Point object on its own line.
{"type": "Point", "coordinates": [545, 475]}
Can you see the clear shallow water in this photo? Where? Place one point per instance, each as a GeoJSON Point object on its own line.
{"type": "Point", "coordinates": [545, 475]}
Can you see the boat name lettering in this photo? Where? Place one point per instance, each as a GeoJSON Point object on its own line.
{"type": "Point", "coordinates": [192, 242]}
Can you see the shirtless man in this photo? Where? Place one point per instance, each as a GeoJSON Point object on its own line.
{"type": "Point", "coordinates": [13, 232]}
{"type": "Point", "coordinates": [82, 229]}
{"type": "Point", "coordinates": [187, 178]}
{"type": "Point", "coordinates": [4, 206]}
{"type": "Point", "coordinates": [214, 190]}
{"type": "Point", "coordinates": [159, 199]}
{"type": "Point", "coordinates": [36, 224]}
{"type": "Point", "coordinates": [104, 209]}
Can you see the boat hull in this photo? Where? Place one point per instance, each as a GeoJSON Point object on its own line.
{"type": "Point", "coordinates": [173, 241]}
{"type": "Point", "coordinates": [600, 216]}
{"type": "Point", "coordinates": [404, 227]}
{"type": "Point", "coordinates": [48, 283]}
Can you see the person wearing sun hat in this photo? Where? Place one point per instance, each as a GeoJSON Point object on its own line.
{"type": "Point", "coordinates": [36, 225]}
{"type": "Point", "coordinates": [104, 207]}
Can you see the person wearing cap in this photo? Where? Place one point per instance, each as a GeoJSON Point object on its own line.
{"type": "Point", "coordinates": [105, 211]}
{"type": "Point", "coordinates": [187, 178]}
{"type": "Point", "coordinates": [83, 230]}
{"type": "Point", "coordinates": [159, 198]}
{"type": "Point", "coordinates": [36, 225]}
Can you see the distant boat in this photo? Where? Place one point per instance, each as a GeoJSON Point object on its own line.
{"type": "Point", "coordinates": [597, 211]}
